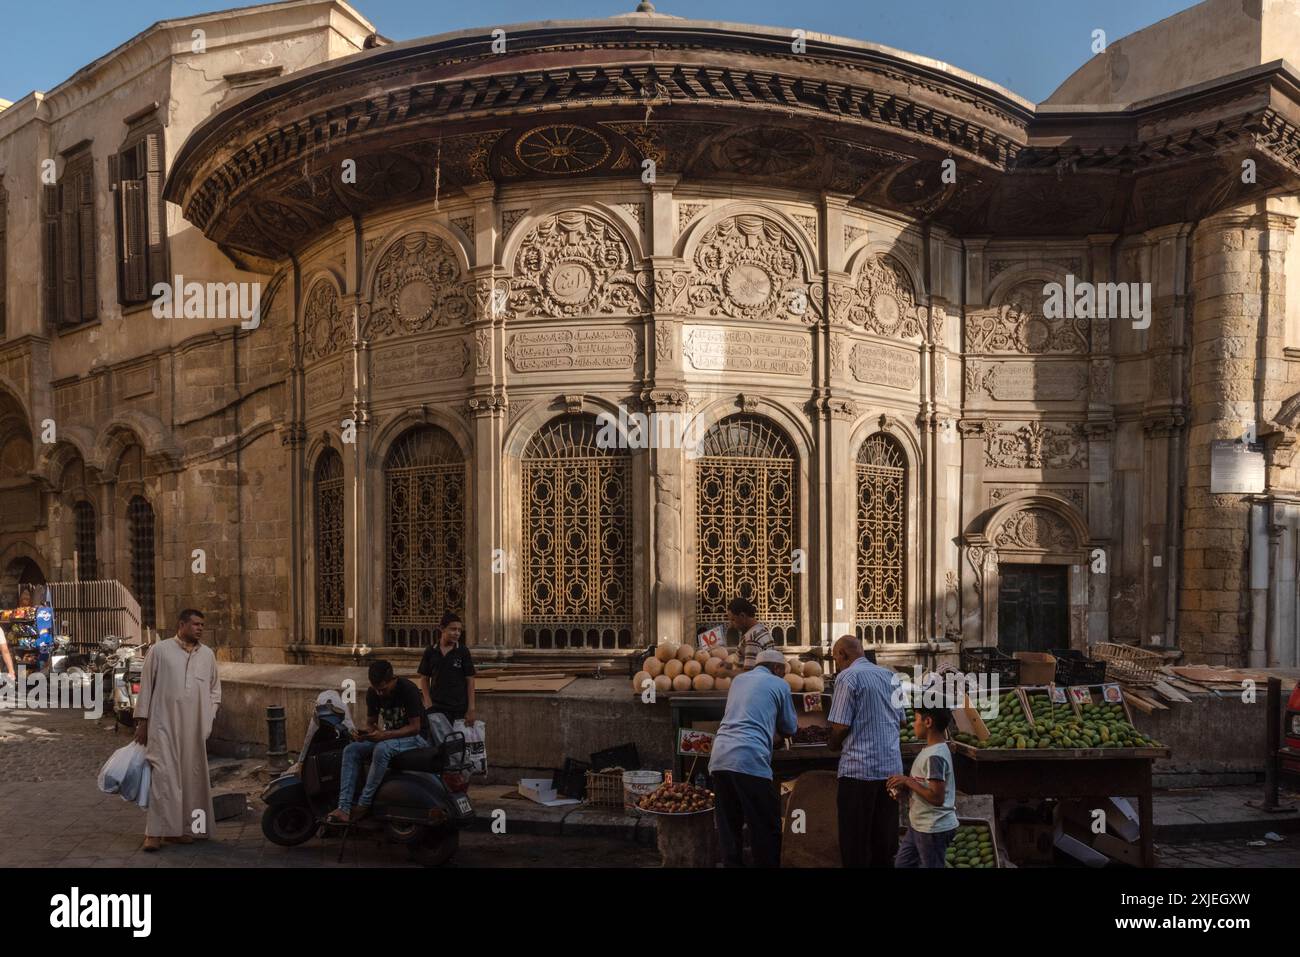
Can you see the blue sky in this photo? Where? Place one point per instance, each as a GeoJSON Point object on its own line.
{"type": "Point", "coordinates": [1028, 46]}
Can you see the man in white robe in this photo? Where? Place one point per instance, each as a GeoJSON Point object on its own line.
{"type": "Point", "coordinates": [179, 695]}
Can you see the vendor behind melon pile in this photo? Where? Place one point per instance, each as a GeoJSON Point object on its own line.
{"type": "Point", "coordinates": [755, 636]}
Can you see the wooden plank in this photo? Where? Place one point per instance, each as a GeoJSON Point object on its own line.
{"type": "Point", "coordinates": [1170, 692]}
{"type": "Point", "coordinates": [1058, 754]}
{"type": "Point", "coordinates": [1141, 703]}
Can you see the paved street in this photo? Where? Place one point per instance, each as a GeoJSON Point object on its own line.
{"type": "Point", "coordinates": [52, 814]}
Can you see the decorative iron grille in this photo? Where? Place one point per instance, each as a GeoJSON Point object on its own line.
{"type": "Point", "coordinates": [424, 475]}
{"type": "Point", "coordinates": [882, 540]}
{"type": "Point", "coordinates": [139, 516]}
{"type": "Point", "coordinates": [577, 539]}
{"type": "Point", "coordinates": [83, 514]}
{"type": "Point", "coordinates": [746, 514]}
{"type": "Point", "coordinates": [329, 548]}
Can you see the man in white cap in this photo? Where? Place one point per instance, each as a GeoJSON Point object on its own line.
{"type": "Point", "coordinates": [759, 710]}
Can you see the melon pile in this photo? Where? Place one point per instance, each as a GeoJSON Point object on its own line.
{"type": "Point", "coordinates": [804, 676]}
{"type": "Point", "coordinates": [682, 667]}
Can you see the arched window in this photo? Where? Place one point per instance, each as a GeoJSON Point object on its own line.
{"type": "Point", "coordinates": [328, 493]}
{"type": "Point", "coordinates": [83, 514]}
{"type": "Point", "coordinates": [424, 479]}
{"type": "Point", "coordinates": [746, 516]}
{"type": "Point", "coordinates": [577, 539]}
{"type": "Point", "coordinates": [139, 520]}
{"type": "Point", "coordinates": [882, 540]}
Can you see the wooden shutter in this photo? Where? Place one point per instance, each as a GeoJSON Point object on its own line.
{"type": "Point", "coordinates": [87, 240]}
{"type": "Point", "coordinates": [69, 253]}
{"type": "Point", "coordinates": [50, 237]}
{"type": "Point", "coordinates": [134, 258]}
{"type": "Point", "coordinates": [155, 206]}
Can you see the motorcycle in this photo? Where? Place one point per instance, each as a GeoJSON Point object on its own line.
{"type": "Point", "coordinates": [128, 668]}
{"type": "Point", "coordinates": [422, 803]}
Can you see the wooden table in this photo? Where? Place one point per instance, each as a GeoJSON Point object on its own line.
{"type": "Point", "coordinates": [1086, 773]}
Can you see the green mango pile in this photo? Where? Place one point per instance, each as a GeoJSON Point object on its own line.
{"type": "Point", "coordinates": [972, 847]}
{"type": "Point", "coordinates": [1057, 727]}
{"type": "Point", "coordinates": [905, 735]}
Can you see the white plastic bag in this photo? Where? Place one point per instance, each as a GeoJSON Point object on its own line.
{"type": "Point", "coordinates": [475, 744]}
{"type": "Point", "coordinates": [126, 772]}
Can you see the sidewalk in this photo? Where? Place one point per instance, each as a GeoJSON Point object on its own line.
{"type": "Point", "coordinates": [523, 816]}
{"type": "Point", "coordinates": [1203, 814]}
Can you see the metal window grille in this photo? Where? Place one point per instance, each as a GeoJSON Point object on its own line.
{"type": "Point", "coordinates": [84, 541]}
{"type": "Point", "coordinates": [882, 540]}
{"type": "Point", "coordinates": [329, 548]}
{"type": "Point", "coordinates": [746, 514]}
{"type": "Point", "coordinates": [577, 539]}
{"type": "Point", "coordinates": [139, 515]}
{"type": "Point", "coordinates": [424, 477]}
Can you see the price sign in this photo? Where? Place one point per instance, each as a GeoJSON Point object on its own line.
{"type": "Point", "coordinates": [713, 637]}
{"type": "Point", "coordinates": [1080, 695]}
{"type": "Point", "coordinates": [1058, 695]}
{"type": "Point", "coordinates": [812, 701]}
{"type": "Point", "coordinates": [1112, 694]}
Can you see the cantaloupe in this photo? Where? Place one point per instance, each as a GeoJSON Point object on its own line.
{"type": "Point", "coordinates": [795, 682]}
{"type": "Point", "coordinates": [713, 666]}
{"type": "Point", "coordinates": [638, 683]}
{"type": "Point", "coordinates": [794, 666]}
{"type": "Point", "coordinates": [811, 668]}
{"type": "Point", "coordinates": [663, 683]}
{"type": "Point", "coordinates": [692, 668]}
{"type": "Point", "coordinates": [665, 651]}
{"type": "Point", "coordinates": [721, 684]}
{"type": "Point", "coordinates": [733, 660]}
{"type": "Point", "coordinates": [654, 666]}
{"type": "Point", "coordinates": [814, 683]}
{"type": "Point", "coordinates": [685, 653]}
{"type": "Point", "coordinates": [702, 655]}
{"type": "Point", "coordinates": [703, 682]}
{"type": "Point", "coordinates": [681, 683]}
{"type": "Point", "coordinates": [672, 669]}
{"type": "Point", "coordinates": [719, 651]}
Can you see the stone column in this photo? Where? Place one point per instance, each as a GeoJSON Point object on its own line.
{"type": "Point", "coordinates": [1237, 340]}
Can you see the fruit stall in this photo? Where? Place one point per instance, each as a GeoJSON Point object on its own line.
{"type": "Point", "coordinates": [1049, 742]}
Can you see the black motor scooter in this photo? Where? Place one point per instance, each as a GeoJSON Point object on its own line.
{"type": "Point", "coordinates": [422, 802]}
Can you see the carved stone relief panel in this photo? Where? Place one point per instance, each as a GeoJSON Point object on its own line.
{"type": "Point", "coordinates": [607, 347]}
{"type": "Point", "coordinates": [398, 365]}
{"type": "Point", "coordinates": [878, 364]}
{"type": "Point", "coordinates": [1019, 326]}
{"type": "Point", "coordinates": [882, 301]}
{"type": "Point", "coordinates": [1034, 445]}
{"type": "Point", "coordinates": [1075, 494]}
{"type": "Point", "coordinates": [747, 350]}
{"type": "Point", "coordinates": [574, 264]}
{"type": "Point", "coordinates": [324, 385]}
{"type": "Point", "coordinates": [1036, 529]}
{"type": "Point", "coordinates": [324, 331]}
{"type": "Point", "coordinates": [1033, 380]}
{"type": "Point", "coordinates": [416, 288]}
{"type": "Point", "coordinates": [748, 267]}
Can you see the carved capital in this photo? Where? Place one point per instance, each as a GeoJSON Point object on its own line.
{"type": "Point", "coordinates": [1280, 444]}
{"type": "Point", "coordinates": [665, 400]}
{"type": "Point", "coordinates": [493, 403]}
{"type": "Point", "coordinates": [971, 426]}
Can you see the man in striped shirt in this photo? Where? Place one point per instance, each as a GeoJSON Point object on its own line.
{"type": "Point", "coordinates": [755, 636]}
{"type": "Point", "coordinates": [865, 718]}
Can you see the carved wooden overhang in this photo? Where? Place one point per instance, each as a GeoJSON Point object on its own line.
{"type": "Point", "coordinates": [714, 102]}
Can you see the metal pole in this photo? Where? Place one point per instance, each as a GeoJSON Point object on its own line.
{"type": "Point", "coordinates": [276, 752]}
{"type": "Point", "coordinates": [1273, 741]}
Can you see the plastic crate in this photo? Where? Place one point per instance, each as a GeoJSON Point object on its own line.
{"type": "Point", "coordinates": [622, 756]}
{"type": "Point", "coordinates": [570, 781]}
{"type": "Point", "coordinates": [991, 661]}
{"type": "Point", "coordinates": [1076, 668]}
{"type": "Point", "coordinates": [605, 790]}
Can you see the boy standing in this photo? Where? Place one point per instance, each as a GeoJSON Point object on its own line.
{"type": "Point", "coordinates": [932, 810]}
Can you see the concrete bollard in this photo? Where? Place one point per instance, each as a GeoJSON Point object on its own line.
{"type": "Point", "coordinates": [276, 751]}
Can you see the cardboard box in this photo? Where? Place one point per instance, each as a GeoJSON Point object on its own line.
{"type": "Point", "coordinates": [540, 791]}
{"type": "Point", "coordinates": [968, 721]}
{"type": "Point", "coordinates": [1036, 667]}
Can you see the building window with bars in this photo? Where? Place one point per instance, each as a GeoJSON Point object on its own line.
{"type": "Point", "coordinates": [328, 495]}
{"type": "Point", "coordinates": [424, 481]}
{"type": "Point", "coordinates": [882, 541]}
{"type": "Point", "coordinates": [577, 539]}
{"type": "Point", "coordinates": [139, 521]}
{"type": "Point", "coordinates": [747, 520]}
{"type": "Point", "coordinates": [69, 243]}
{"type": "Point", "coordinates": [84, 541]}
{"type": "Point", "coordinates": [135, 177]}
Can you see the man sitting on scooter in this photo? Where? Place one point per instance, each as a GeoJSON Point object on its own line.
{"type": "Point", "coordinates": [405, 728]}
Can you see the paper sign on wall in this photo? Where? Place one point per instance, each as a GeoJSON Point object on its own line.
{"type": "Point", "coordinates": [713, 637]}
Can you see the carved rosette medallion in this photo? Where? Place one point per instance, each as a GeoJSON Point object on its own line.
{"type": "Point", "coordinates": [574, 264]}
{"type": "Point", "coordinates": [1034, 446]}
{"type": "Point", "coordinates": [747, 267]}
{"type": "Point", "coordinates": [416, 288]}
{"type": "Point", "coordinates": [1036, 529]}
{"type": "Point", "coordinates": [323, 329]}
{"type": "Point", "coordinates": [882, 301]}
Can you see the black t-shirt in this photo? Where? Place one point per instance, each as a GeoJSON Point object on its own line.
{"type": "Point", "coordinates": [398, 706]}
{"type": "Point", "coordinates": [448, 676]}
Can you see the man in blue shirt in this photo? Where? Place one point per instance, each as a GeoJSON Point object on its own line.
{"type": "Point", "coordinates": [759, 708]}
{"type": "Point", "coordinates": [865, 718]}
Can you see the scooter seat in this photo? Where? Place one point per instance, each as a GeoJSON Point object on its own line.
{"type": "Point", "coordinates": [418, 759]}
